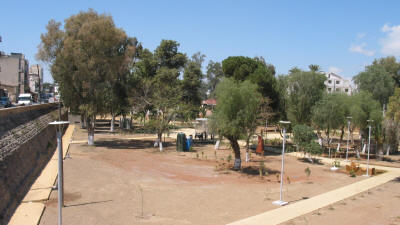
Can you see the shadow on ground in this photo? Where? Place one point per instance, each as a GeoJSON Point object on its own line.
{"type": "Point", "coordinates": [314, 161]}
{"type": "Point", "coordinates": [88, 203]}
{"type": "Point", "coordinates": [254, 171]}
{"type": "Point", "coordinates": [128, 144]}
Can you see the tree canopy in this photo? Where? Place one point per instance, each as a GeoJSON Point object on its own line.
{"type": "Point", "coordinates": [304, 89]}
{"type": "Point", "coordinates": [376, 80]}
{"type": "Point", "coordinates": [256, 70]}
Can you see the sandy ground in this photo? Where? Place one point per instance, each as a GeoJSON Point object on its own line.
{"type": "Point", "coordinates": [122, 181]}
{"type": "Point", "coordinates": [378, 206]}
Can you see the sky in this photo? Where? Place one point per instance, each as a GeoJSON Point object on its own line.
{"type": "Point", "coordinates": [340, 36]}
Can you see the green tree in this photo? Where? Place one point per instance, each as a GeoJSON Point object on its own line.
{"type": "Point", "coordinates": [85, 55]}
{"type": "Point", "coordinates": [242, 68]}
{"type": "Point", "coordinates": [391, 66]}
{"type": "Point", "coordinates": [236, 112]}
{"type": "Point", "coordinates": [304, 89]}
{"type": "Point", "coordinates": [376, 80]}
{"type": "Point", "coordinates": [303, 135]}
{"type": "Point", "coordinates": [214, 75]}
{"type": "Point", "coordinates": [330, 113]}
{"type": "Point", "coordinates": [141, 82]}
{"type": "Point", "coordinates": [392, 123]}
{"type": "Point", "coordinates": [191, 86]}
{"type": "Point", "coordinates": [364, 108]}
{"type": "Point", "coordinates": [166, 92]}
{"type": "Point", "coordinates": [314, 68]}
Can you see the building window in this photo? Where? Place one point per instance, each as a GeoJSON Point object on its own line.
{"type": "Point", "coordinates": [337, 89]}
{"type": "Point", "coordinates": [346, 90]}
{"type": "Point", "coordinates": [337, 82]}
{"type": "Point", "coordinates": [329, 81]}
{"type": "Point", "coordinates": [329, 89]}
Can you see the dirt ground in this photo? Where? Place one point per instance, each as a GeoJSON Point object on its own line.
{"type": "Point", "coordinates": [128, 181]}
{"type": "Point", "coordinates": [377, 206]}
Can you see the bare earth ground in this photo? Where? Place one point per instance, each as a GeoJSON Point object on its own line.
{"type": "Point", "coordinates": [111, 183]}
{"type": "Point", "coordinates": [377, 206]}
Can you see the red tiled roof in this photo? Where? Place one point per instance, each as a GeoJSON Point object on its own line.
{"type": "Point", "coordinates": [209, 102]}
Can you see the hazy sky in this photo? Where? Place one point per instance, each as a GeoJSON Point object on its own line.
{"type": "Point", "coordinates": [340, 36]}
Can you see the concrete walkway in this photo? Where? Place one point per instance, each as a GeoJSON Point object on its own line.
{"type": "Point", "coordinates": [30, 210]}
{"type": "Point", "coordinates": [294, 210]}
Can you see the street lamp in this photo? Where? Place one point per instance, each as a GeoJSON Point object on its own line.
{"type": "Point", "coordinates": [280, 202]}
{"type": "Point", "coordinates": [348, 136]}
{"type": "Point", "coordinates": [60, 169]}
{"type": "Point", "coordinates": [369, 145]}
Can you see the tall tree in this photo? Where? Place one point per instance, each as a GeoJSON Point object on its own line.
{"type": "Point", "coordinates": [166, 84]}
{"type": "Point", "coordinates": [376, 80]}
{"type": "Point", "coordinates": [191, 86]}
{"type": "Point", "coordinates": [330, 113]}
{"type": "Point", "coordinates": [304, 89]}
{"type": "Point", "coordinates": [255, 70]}
{"type": "Point", "coordinates": [214, 75]}
{"type": "Point", "coordinates": [391, 66]}
{"type": "Point", "coordinates": [238, 104]}
{"type": "Point", "coordinates": [364, 108]}
{"type": "Point", "coordinates": [392, 123]}
{"type": "Point", "coordinates": [90, 51]}
{"type": "Point", "coordinates": [314, 68]}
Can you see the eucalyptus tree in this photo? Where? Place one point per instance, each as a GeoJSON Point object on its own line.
{"type": "Point", "coordinates": [87, 53]}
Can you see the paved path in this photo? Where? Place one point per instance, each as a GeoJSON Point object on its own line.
{"type": "Point", "coordinates": [294, 210]}
{"type": "Point", "coordinates": [30, 210]}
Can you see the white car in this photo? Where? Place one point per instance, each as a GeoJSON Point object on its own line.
{"type": "Point", "coordinates": [25, 99]}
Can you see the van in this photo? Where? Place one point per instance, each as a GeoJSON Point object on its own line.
{"type": "Point", "coordinates": [25, 99]}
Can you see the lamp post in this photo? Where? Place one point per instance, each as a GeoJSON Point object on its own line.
{"type": "Point", "coordinates": [369, 145]}
{"type": "Point", "coordinates": [348, 136]}
{"type": "Point", "coordinates": [60, 170]}
{"type": "Point", "coordinates": [280, 202]}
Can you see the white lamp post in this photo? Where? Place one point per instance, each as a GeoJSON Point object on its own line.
{"type": "Point", "coordinates": [369, 145]}
{"type": "Point", "coordinates": [60, 170]}
{"type": "Point", "coordinates": [348, 136]}
{"type": "Point", "coordinates": [280, 201]}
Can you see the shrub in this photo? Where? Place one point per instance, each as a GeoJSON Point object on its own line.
{"type": "Point", "coordinates": [314, 148]}
{"type": "Point", "coordinates": [303, 135]}
{"type": "Point", "coordinates": [308, 172]}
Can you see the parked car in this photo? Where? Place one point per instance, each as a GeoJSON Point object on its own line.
{"type": "Point", "coordinates": [25, 99]}
{"type": "Point", "coordinates": [5, 102]}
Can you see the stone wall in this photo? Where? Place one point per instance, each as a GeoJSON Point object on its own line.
{"type": "Point", "coordinates": [24, 152]}
{"type": "Point", "coordinates": [11, 118]}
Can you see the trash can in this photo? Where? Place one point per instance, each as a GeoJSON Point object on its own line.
{"type": "Point", "coordinates": [181, 142]}
{"type": "Point", "coordinates": [189, 143]}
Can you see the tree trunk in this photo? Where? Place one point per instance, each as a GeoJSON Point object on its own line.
{"type": "Point", "coordinates": [90, 126]}
{"type": "Point", "coordinates": [236, 150]}
{"type": "Point", "coordinates": [341, 134]}
{"type": "Point", "coordinates": [83, 122]}
{"type": "Point", "coordinates": [159, 140]}
{"type": "Point", "coordinates": [112, 123]}
{"type": "Point", "coordinates": [124, 125]}
{"type": "Point", "coordinates": [247, 148]}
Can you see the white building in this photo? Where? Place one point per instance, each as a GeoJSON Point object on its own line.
{"type": "Point", "coordinates": [335, 83]}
